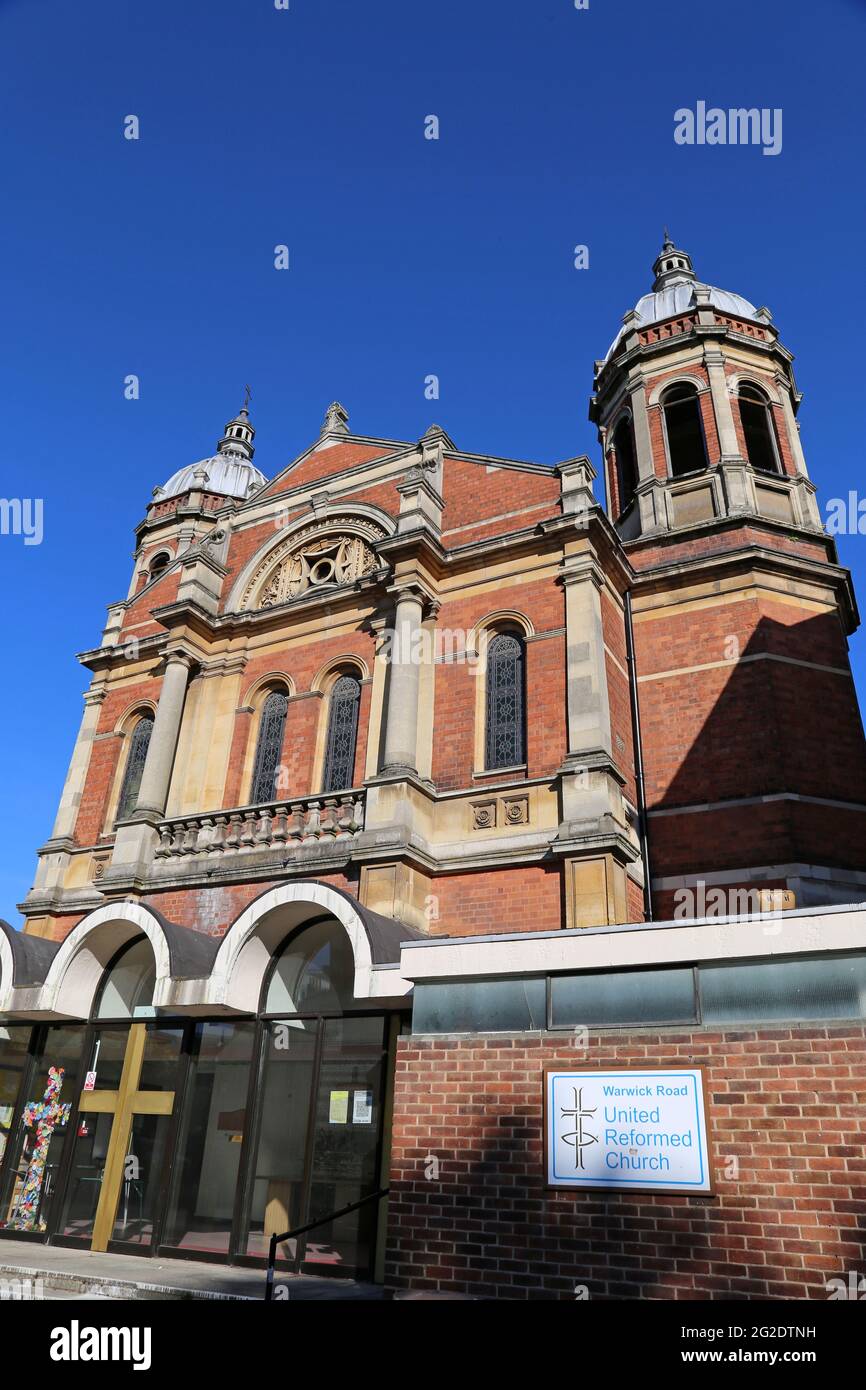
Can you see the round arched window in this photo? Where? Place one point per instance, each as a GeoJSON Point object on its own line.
{"type": "Point", "coordinates": [314, 972]}
{"type": "Point", "coordinates": [758, 430]}
{"type": "Point", "coordinates": [684, 429]}
{"type": "Point", "coordinates": [128, 982]}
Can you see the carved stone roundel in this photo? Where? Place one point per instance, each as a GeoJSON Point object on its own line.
{"type": "Point", "coordinates": [313, 559]}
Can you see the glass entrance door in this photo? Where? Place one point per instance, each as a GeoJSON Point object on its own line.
{"type": "Point", "coordinates": [317, 1143]}
{"type": "Point", "coordinates": [116, 1177]}
{"type": "Point", "coordinates": [346, 1144]}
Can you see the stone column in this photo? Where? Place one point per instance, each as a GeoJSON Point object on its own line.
{"type": "Point", "coordinates": [401, 716]}
{"type": "Point", "coordinates": [725, 428]}
{"type": "Point", "coordinates": [650, 490]}
{"type": "Point", "coordinates": [153, 792]}
{"type": "Point", "coordinates": [136, 840]}
{"type": "Point", "coordinates": [640, 421]}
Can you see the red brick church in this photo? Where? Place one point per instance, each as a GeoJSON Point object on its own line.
{"type": "Point", "coordinates": [410, 771]}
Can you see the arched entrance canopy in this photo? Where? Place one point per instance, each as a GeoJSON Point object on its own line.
{"type": "Point", "coordinates": [196, 974]}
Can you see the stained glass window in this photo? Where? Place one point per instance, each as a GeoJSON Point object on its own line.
{"type": "Point", "coordinates": [138, 746]}
{"type": "Point", "coordinates": [270, 748]}
{"type": "Point", "coordinates": [506, 739]}
{"type": "Point", "coordinates": [342, 735]}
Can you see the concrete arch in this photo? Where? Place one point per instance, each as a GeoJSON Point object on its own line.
{"type": "Point", "coordinates": [336, 667]}
{"type": "Point", "coordinates": [748, 378]}
{"type": "Point", "coordinates": [129, 718]}
{"type": "Point", "coordinates": [487, 627]}
{"type": "Point", "coordinates": [683, 378]}
{"type": "Point", "coordinates": [248, 947]}
{"type": "Point", "coordinates": [77, 969]}
{"type": "Point", "coordinates": [262, 685]}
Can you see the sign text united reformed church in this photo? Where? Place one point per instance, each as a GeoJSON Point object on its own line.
{"type": "Point", "coordinates": [627, 1129]}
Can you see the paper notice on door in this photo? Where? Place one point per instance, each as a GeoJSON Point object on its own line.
{"type": "Point", "coordinates": [90, 1081]}
{"type": "Point", "coordinates": [338, 1112]}
{"type": "Point", "coordinates": [362, 1108]}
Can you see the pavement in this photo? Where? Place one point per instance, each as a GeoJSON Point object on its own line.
{"type": "Point", "coordinates": [81, 1274]}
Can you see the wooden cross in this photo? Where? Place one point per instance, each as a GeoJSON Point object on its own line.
{"type": "Point", "coordinates": [123, 1103]}
{"type": "Point", "coordinates": [46, 1114]}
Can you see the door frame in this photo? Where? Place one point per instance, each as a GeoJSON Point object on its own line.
{"type": "Point", "coordinates": [236, 1255]}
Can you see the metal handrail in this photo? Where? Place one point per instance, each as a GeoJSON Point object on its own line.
{"type": "Point", "coordinates": [310, 1225]}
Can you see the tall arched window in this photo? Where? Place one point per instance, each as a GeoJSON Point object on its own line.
{"type": "Point", "coordinates": [342, 735]}
{"type": "Point", "coordinates": [506, 731]}
{"type": "Point", "coordinates": [269, 749]}
{"type": "Point", "coordinates": [158, 566]}
{"type": "Point", "coordinates": [684, 429]}
{"type": "Point", "coordinates": [758, 431]}
{"type": "Point", "coordinates": [138, 746]}
{"type": "Point", "coordinates": [626, 462]}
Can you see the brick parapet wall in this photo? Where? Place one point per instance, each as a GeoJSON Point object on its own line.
{"type": "Point", "coordinates": [787, 1105]}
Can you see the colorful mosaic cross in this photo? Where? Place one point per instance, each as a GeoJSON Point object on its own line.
{"type": "Point", "coordinates": [46, 1114]}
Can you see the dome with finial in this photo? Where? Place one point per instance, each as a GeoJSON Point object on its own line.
{"type": "Point", "coordinates": [229, 472]}
{"type": "Point", "coordinates": [674, 292]}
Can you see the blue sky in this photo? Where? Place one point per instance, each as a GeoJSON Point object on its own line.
{"type": "Point", "coordinates": [408, 257]}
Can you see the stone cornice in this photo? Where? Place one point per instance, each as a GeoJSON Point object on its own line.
{"type": "Point", "coordinates": [750, 556]}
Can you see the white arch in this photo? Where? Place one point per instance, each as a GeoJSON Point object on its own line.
{"type": "Point", "coordinates": [689, 376]}
{"type": "Point", "coordinates": [249, 945]}
{"type": "Point", "coordinates": [76, 971]}
{"type": "Point", "coordinates": [7, 966]}
{"type": "Point", "coordinates": [332, 515]}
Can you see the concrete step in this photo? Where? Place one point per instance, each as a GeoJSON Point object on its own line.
{"type": "Point", "coordinates": [29, 1270]}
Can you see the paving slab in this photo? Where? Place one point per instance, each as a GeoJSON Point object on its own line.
{"type": "Point", "coordinates": [82, 1273]}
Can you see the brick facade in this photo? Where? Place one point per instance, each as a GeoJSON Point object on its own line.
{"type": "Point", "coordinates": [788, 1116]}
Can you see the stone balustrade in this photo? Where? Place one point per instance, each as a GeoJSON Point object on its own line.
{"type": "Point", "coordinates": [337, 816]}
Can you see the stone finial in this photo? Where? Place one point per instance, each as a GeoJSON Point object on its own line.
{"type": "Point", "coordinates": [336, 419]}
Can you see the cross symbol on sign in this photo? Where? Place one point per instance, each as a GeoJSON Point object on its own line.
{"type": "Point", "coordinates": [46, 1115]}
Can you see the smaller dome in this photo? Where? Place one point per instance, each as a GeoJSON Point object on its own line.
{"type": "Point", "coordinates": [675, 292]}
{"type": "Point", "coordinates": [229, 472]}
{"type": "Point", "coordinates": [230, 475]}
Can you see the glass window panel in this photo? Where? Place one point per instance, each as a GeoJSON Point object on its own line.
{"type": "Point", "coordinates": [143, 1169]}
{"type": "Point", "coordinates": [342, 734]}
{"type": "Point", "coordinates": [136, 758]}
{"type": "Point", "coordinates": [831, 987]}
{"type": "Point", "coordinates": [505, 732]}
{"type": "Point", "coordinates": [623, 996]}
{"type": "Point", "coordinates": [39, 1134]}
{"type": "Point", "coordinates": [84, 1184]}
{"type": "Point", "coordinates": [480, 1006]}
{"type": "Point", "coordinates": [105, 1058]}
{"type": "Point", "coordinates": [209, 1143]}
{"type": "Point", "coordinates": [347, 1126]}
{"type": "Point", "coordinates": [159, 1066]}
{"type": "Point", "coordinates": [270, 747]}
{"type": "Point", "coordinates": [128, 985]}
{"type": "Point", "coordinates": [314, 974]}
{"type": "Point", "coordinates": [14, 1044]}
{"type": "Point", "coordinates": [276, 1198]}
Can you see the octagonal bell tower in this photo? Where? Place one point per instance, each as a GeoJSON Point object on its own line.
{"type": "Point", "coordinates": [695, 404]}
{"type": "Point", "coordinates": [753, 746]}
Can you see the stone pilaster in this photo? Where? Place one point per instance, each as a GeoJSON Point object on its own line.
{"type": "Point", "coordinates": [136, 839]}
